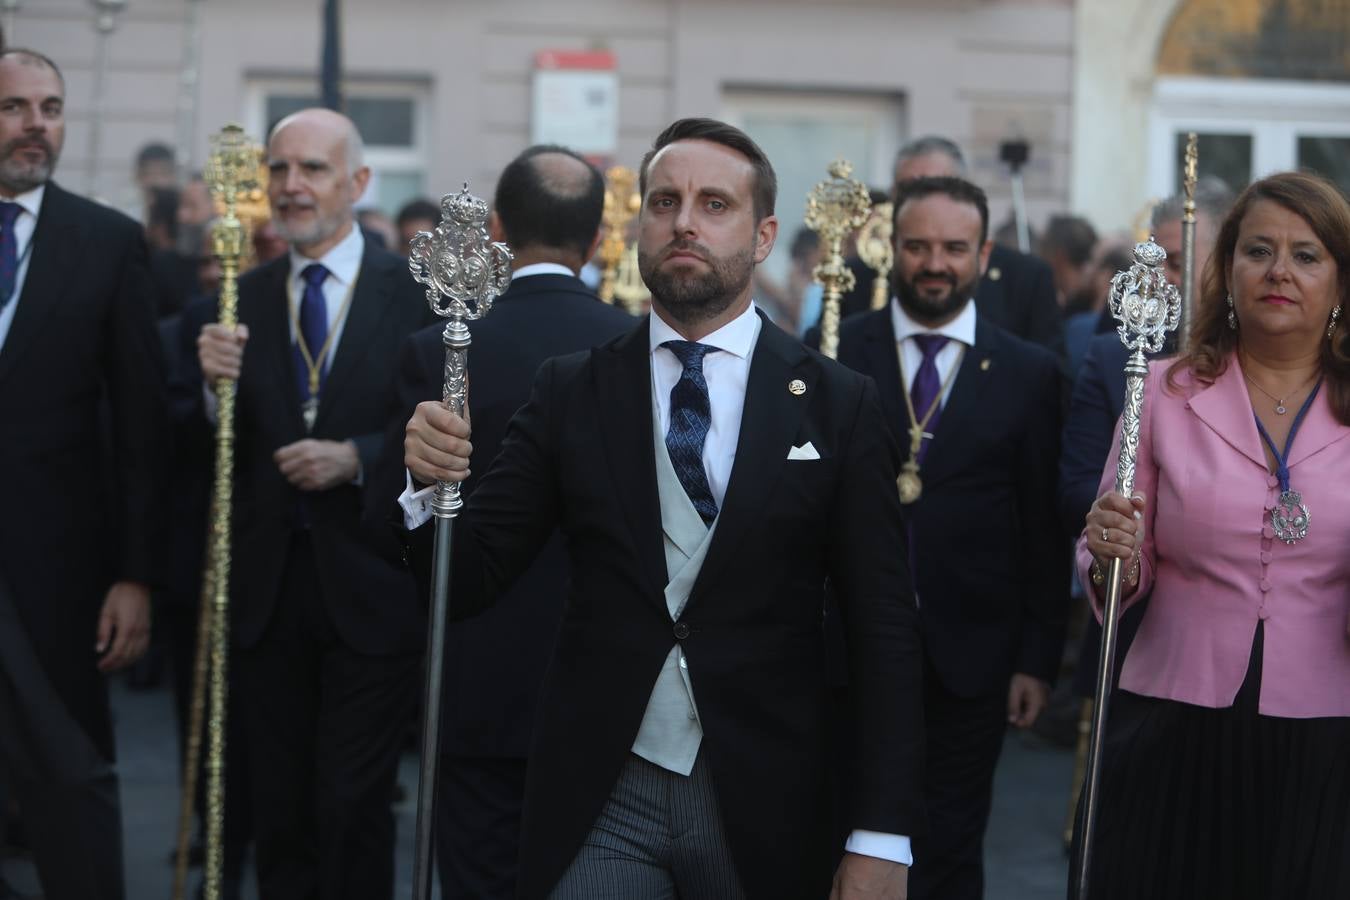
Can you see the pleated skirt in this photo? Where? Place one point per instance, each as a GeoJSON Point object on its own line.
{"type": "Point", "coordinates": [1200, 803]}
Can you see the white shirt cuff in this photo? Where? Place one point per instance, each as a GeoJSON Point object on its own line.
{"type": "Point", "coordinates": [210, 405]}
{"type": "Point", "coordinates": [416, 503]}
{"type": "Point", "coordinates": [894, 847]}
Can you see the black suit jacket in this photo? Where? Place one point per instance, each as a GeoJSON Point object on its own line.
{"type": "Point", "coordinates": [82, 400]}
{"type": "Point", "coordinates": [494, 663]}
{"type": "Point", "coordinates": [989, 557]}
{"type": "Point", "coordinates": [580, 456]}
{"type": "Point", "coordinates": [1090, 427]}
{"type": "Point", "coordinates": [368, 591]}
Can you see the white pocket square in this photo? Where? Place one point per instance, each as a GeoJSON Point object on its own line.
{"type": "Point", "coordinates": [805, 451]}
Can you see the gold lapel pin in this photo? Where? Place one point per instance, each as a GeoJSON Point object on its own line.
{"type": "Point", "coordinates": [796, 387]}
{"type": "Point", "coordinates": [984, 365]}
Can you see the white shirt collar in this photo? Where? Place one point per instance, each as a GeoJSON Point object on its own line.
{"type": "Point", "coordinates": [543, 268]}
{"type": "Point", "coordinates": [343, 262]}
{"type": "Point", "coordinates": [31, 201]}
{"type": "Point", "coordinates": [962, 328]}
{"type": "Point", "coordinates": [737, 337]}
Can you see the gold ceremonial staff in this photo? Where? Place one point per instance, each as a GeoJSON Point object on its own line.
{"type": "Point", "coordinates": [232, 169]}
{"type": "Point", "coordinates": [621, 204]}
{"type": "Point", "coordinates": [875, 249]}
{"type": "Point", "coordinates": [1188, 244]}
{"type": "Point", "coordinates": [835, 208]}
{"type": "Point", "coordinates": [1147, 307]}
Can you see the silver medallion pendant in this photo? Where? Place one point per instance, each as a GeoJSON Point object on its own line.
{"type": "Point", "coordinates": [1290, 517]}
{"type": "Point", "coordinates": [309, 410]}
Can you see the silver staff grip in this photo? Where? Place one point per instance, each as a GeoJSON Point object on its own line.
{"type": "Point", "coordinates": [446, 502]}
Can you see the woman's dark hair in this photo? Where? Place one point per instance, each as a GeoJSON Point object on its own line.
{"type": "Point", "coordinates": [1319, 203]}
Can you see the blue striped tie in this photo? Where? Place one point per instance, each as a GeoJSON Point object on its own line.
{"type": "Point", "coordinates": [9, 251]}
{"type": "Point", "coordinates": [690, 419]}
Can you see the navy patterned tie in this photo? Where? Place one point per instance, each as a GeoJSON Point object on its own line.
{"type": "Point", "coordinates": [313, 325]}
{"type": "Point", "coordinates": [9, 251]}
{"type": "Point", "coordinates": [690, 419]}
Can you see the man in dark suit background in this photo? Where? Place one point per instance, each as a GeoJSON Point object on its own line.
{"type": "Point", "coordinates": [547, 208]}
{"type": "Point", "coordinates": [82, 492]}
{"type": "Point", "coordinates": [1016, 291]}
{"type": "Point", "coordinates": [976, 411]}
{"type": "Point", "coordinates": [709, 474]}
{"type": "Point", "coordinates": [326, 619]}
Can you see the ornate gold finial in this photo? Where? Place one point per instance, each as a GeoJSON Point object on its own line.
{"type": "Point", "coordinates": [232, 171]}
{"type": "Point", "coordinates": [875, 249]}
{"type": "Point", "coordinates": [835, 208]}
{"type": "Point", "coordinates": [622, 203]}
{"type": "Point", "coordinates": [629, 288]}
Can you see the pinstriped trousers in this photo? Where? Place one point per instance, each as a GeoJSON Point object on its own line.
{"type": "Point", "coordinates": [659, 837]}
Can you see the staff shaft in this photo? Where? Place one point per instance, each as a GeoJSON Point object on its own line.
{"type": "Point", "coordinates": [431, 708]}
{"type": "Point", "coordinates": [1187, 280]}
{"type": "Point", "coordinates": [1136, 369]}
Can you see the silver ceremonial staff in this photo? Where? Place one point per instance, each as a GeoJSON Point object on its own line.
{"type": "Point", "coordinates": [464, 271]}
{"type": "Point", "coordinates": [1147, 306]}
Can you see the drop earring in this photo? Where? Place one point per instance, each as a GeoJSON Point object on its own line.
{"type": "Point", "coordinates": [1335, 318]}
{"type": "Point", "coordinates": [1232, 313]}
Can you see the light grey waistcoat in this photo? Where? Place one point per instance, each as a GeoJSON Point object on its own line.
{"type": "Point", "coordinates": [670, 733]}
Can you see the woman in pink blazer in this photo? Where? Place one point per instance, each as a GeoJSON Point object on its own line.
{"type": "Point", "coordinates": [1227, 764]}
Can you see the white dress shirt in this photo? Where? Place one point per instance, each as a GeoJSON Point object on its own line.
{"type": "Point", "coordinates": [726, 371]}
{"type": "Point", "coordinates": [343, 263]}
{"type": "Point", "coordinates": [961, 330]}
{"type": "Point", "coordinates": [24, 225]}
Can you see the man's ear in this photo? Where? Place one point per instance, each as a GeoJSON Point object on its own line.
{"type": "Point", "coordinates": [360, 180]}
{"type": "Point", "coordinates": [494, 227]}
{"type": "Point", "coordinates": [765, 235]}
{"type": "Point", "coordinates": [985, 250]}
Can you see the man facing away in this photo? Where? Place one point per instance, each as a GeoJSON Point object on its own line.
{"type": "Point", "coordinates": [85, 435]}
{"type": "Point", "coordinates": [547, 208]}
{"type": "Point", "coordinates": [709, 475]}
{"type": "Point", "coordinates": [327, 624]}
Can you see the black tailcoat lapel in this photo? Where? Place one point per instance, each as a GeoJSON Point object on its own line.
{"type": "Point", "coordinates": [623, 376]}
{"type": "Point", "coordinates": [771, 420]}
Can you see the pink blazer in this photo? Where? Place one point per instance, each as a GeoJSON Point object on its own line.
{"type": "Point", "coordinates": [1213, 564]}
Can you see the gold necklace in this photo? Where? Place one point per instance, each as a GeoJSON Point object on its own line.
{"type": "Point", "coordinates": [909, 483]}
{"type": "Point", "coordinates": [309, 410]}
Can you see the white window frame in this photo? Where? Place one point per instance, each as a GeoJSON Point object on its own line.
{"type": "Point", "coordinates": [1274, 112]}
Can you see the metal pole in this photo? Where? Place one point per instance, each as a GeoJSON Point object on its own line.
{"type": "Point", "coordinates": [11, 10]}
{"type": "Point", "coordinates": [188, 80]}
{"type": "Point", "coordinates": [105, 21]}
{"type": "Point", "coordinates": [1020, 212]}
{"type": "Point", "coordinates": [1188, 243]}
{"type": "Point", "coordinates": [464, 273]}
{"type": "Point", "coordinates": [1147, 307]}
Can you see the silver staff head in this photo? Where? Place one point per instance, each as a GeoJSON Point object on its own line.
{"type": "Point", "coordinates": [1143, 301]}
{"type": "Point", "coordinates": [462, 268]}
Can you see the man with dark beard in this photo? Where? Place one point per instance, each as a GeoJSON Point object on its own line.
{"type": "Point", "coordinates": [327, 623]}
{"type": "Point", "coordinates": [976, 412]}
{"type": "Point", "coordinates": [85, 436]}
{"type": "Point", "coordinates": [710, 475]}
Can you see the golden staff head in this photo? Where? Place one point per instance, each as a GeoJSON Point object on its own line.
{"type": "Point", "coordinates": [232, 173]}
{"type": "Point", "coordinates": [1192, 174]}
{"type": "Point", "coordinates": [835, 208]}
{"type": "Point", "coordinates": [622, 203]}
{"type": "Point", "coordinates": [875, 249]}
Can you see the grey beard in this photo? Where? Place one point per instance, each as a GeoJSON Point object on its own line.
{"type": "Point", "coordinates": [18, 178]}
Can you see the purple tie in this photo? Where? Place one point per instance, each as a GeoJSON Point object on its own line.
{"type": "Point", "coordinates": [313, 325]}
{"type": "Point", "coordinates": [9, 251]}
{"type": "Point", "coordinates": [927, 385]}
